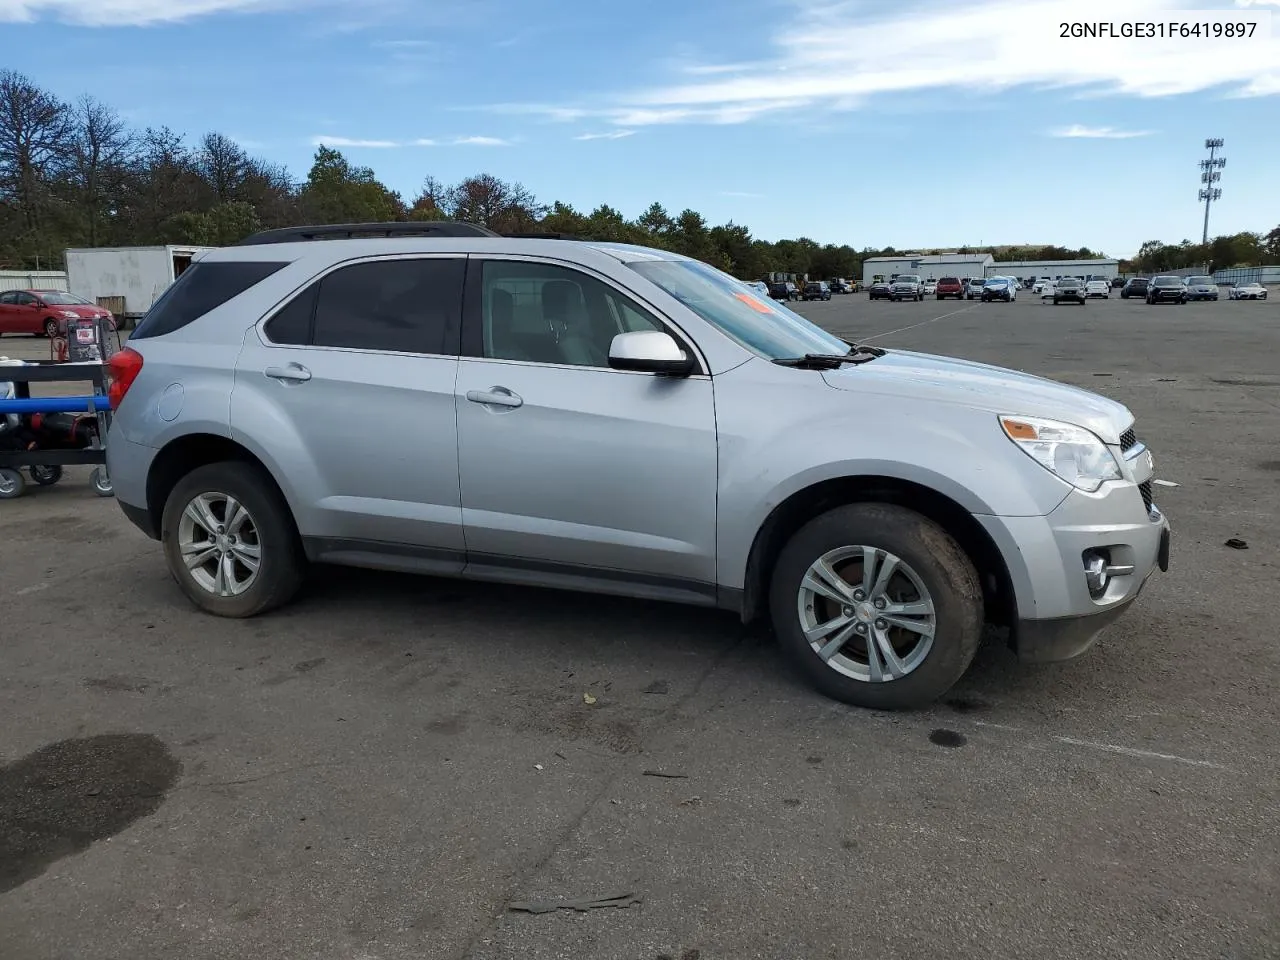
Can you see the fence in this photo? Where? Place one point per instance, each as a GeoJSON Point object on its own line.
{"type": "Point", "coordinates": [33, 280]}
{"type": "Point", "coordinates": [1239, 275]}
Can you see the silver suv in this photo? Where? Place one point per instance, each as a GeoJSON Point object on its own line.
{"type": "Point", "coordinates": [615, 419]}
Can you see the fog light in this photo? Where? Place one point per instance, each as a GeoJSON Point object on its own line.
{"type": "Point", "coordinates": [1096, 572]}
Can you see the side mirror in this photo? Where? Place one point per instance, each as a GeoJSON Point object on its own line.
{"type": "Point", "coordinates": [649, 351]}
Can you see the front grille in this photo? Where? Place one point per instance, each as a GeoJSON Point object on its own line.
{"type": "Point", "coordinates": [1147, 498]}
{"type": "Point", "coordinates": [1128, 440]}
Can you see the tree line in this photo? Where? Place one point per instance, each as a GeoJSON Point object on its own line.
{"type": "Point", "coordinates": [76, 175]}
{"type": "Point", "coordinates": [1236, 250]}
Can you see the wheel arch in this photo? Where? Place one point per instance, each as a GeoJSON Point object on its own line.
{"type": "Point", "coordinates": [188, 452]}
{"type": "Point", "coordinates": [817, 498]}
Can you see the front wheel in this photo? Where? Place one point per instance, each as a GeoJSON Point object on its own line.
{"type": "Point", "coordinates": [51, 328]}
{"type": "Point", "coordinates": [12, 484]}
{"type": "Point", "coordinates": [230, 541]}
{"type": "Point", "coordinates": [878, 606]}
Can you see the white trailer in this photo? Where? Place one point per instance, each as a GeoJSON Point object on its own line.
{"type": "Point", "coordinates": [127, 280]}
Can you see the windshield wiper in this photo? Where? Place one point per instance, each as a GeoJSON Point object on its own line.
{"type": "Point", "coordinates": [858, 353]}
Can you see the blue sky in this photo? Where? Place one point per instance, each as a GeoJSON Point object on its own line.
{"type": "Point", "coordinates": [914, 124]}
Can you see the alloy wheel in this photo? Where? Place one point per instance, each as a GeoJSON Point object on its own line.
{"type": "Point", "coordinates": [866, 613]}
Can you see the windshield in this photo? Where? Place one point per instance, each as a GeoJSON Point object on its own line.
{"type": "Point", "coordinates": [1168, 281]}
{"type": "Point", "coordinates": [948, 280]}
{"type": "Point", "coordinates": [907, 278]}
{"type": "Point", "coordinates": [763, 326]}
{"type": "Point", "coordinates": [66, 299]}
{"type": "Point", "coordinates": [1201, 281]}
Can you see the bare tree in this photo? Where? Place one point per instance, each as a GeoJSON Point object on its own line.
{"type": "Point", "coordinates": [34, 145]}
{"type": "Point", "coordinates": [102, 150]}
{"type": "Point", "coordinates": [487, 200]}
{"type": "Point", "coordinates": [224, 165]}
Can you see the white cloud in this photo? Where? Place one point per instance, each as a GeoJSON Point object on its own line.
{"type": "Point", "coordinates": [1079, 131]}
{"type": "Point", "coordinates": [349, 142]}
{"type": "Point", "coordinates": [425, 142]}
{"type": "Point", "coordinates": [126, 13]}
{"type": "Point", "coordinates": [844, 52]}
{"type": "Point", "coordinates": [613, 135]}
{"type": "Point", "coordinates": [481, 142]}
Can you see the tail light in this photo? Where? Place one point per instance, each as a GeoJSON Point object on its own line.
{"type": "Point", "coordinates": [122, 369]}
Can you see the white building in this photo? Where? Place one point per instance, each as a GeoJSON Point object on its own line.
{"type": "Point", "coordinates": [1028, 269]}
{"type": "Point", "coordinates": [928, 266]}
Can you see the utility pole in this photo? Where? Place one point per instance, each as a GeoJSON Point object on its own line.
{"type": "Point", "coordinates": [1211, 174]}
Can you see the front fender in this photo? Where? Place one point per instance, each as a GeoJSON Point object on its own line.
{"type": "Point", "coordinates": [780, 435]}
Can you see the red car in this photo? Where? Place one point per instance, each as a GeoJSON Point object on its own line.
{"type": "Point", "coordinates": [950, 287]}
{"type": "Point", "coordinates": [45, 312]}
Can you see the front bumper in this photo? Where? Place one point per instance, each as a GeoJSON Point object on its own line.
{"type": "Point", "coordinates": [1057, 616]}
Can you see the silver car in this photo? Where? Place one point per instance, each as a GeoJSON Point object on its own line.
{"type": "Point", "coordinates": [617, 419]}
{"type": "Point", "coordinates": [1201, 288]}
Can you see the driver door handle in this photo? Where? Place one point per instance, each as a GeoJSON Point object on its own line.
{"type": "Point", "coordinates": [293, 373]}
{"type": "Point", "coordinates": [496, 397]}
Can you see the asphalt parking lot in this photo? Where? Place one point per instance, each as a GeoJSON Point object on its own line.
{"type": "Point", "coordinates": [382, 769]}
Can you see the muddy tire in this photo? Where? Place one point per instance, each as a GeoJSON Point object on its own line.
{"type": "Point", "coordinates": [878, 606]}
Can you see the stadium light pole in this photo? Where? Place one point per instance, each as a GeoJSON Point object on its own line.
{"type": "Point", "coordinates": [1211, 174]}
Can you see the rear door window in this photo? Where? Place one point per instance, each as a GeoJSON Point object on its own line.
{"type": "Point", "coordinates": [201, 288]}
{"type": "Point", "coordinates": [402, 306]}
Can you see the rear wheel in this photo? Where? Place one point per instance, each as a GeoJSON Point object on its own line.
{"type": "Point", "coordinates": [878, 606]}
{"type": "Point", "coordinates": [45, 476]}
{"type": "Point", "coordinates": [230, 541]}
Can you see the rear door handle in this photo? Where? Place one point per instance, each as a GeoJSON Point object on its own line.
{"type": "Point", "coordinates": [496, 397]}
{"type": "Point", "coordinates": [292, 373]}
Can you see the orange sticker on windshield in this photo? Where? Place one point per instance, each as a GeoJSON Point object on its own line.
{"type": "Point", "coordinates": [753, 303]}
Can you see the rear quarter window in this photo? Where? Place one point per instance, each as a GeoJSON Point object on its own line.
{"type": "Point", "coordinates": [201, 288]}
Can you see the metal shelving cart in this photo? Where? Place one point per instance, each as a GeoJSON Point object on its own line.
{"type": "Point", "coordinates": [44, 465]}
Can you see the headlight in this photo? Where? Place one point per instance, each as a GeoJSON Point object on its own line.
{"type": "Point", "coordinates": [1072, 453]}
{"type": "Point", "coordinates": [70, 314]}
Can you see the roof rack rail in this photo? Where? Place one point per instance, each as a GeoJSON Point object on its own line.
{"type": "Point", "coordinates": [351, 231]}
{"type": "Point", "coordinates": [539, 235]}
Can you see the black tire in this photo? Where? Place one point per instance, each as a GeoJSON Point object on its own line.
{"type": "Point", "coordinates": [283, 563]}
{"type": "Point", "coordinates": [51, 328]}
{"type": "Point", "coordinates": [45, 476]}
{"type": "Point", "coordinates": [943, 568]}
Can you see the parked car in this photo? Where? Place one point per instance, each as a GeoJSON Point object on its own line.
{"type": "Point", "coordinates": [949, 287]}
{"type": "Point", "coordinates": [1117, 283]}
{"type": "Point", "coordinates": [759, 286]}
{"type": "Point", "coordinates": [1166, 290]}
{"type": "Point", "coordinates": [1201, 288]}
{"type": "Point", "coordinates": [1069, 290]}
{"type": "Point", "coordinates": [973, 287]}
{"type": "Point", "coordinates": [817, 290]}
{"type": "Point", "coordinates": [906, 287]}
{"type": "Point", "coordinates": [840, 286]}
{"type": "Point", "coordinates": [1097, 288]}
{"type": "Point", "coordinates": [44, 313]}
{"type": "Point", "coordinates": [1000, 288]}
{"type": "Point", "coordinates": [930, 287]}
{"type": "Point", "coordinates": [1039, 285]}
{"type": "Point", "coordinates": [1249, 291]}
{"type": "Point", "coordinates": [784, 291]}
{"type": "Point", "coordinates": [619, 419]}
{"type": "Point", "coordinates": [879, 291]}
{"type": "Point", "coordinates": [1135, 287]}
{"type": "Point", "coordinates": [1046, 289]}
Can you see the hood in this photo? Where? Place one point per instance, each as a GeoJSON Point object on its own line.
{"type": "Point", "coordinates": [922, 376]}
{"type": "Point", "coordinates": [85, 310]}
